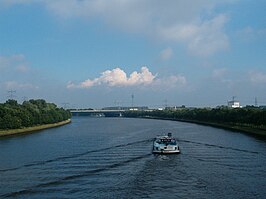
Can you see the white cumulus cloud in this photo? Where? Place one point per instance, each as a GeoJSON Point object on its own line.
{"type": "Point", "coordinates": [117, 77]}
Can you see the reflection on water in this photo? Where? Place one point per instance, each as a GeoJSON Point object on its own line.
{"type": "Point", "coordinates": [111, 158]}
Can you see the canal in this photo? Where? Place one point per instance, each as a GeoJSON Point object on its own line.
{"type": "Point", "coordinates": [111, 158]}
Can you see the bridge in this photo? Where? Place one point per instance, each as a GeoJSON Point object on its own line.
{"type": "Point", "coordinates": [98, 113]}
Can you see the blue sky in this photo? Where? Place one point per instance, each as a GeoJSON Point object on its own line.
{"type": "Point", "coordinates": [98, 53]}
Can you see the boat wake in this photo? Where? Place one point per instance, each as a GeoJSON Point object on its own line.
{"type": "Point", "coordinates": [38, 188]}
{"type": "Point", "coordinates": [218, 146]}
{"type": "Point", "coordinates": [39, 163]}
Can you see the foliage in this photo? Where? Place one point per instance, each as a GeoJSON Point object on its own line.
{"type": "Point", "coordinates": [249, 116]}
{"type": "Point", "coordinates": [30, 113]}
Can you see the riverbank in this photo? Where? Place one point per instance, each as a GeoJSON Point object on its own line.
{"type": "Point", "coordinates": [244, 129]}
{"type": "Point", "coordinates": [32, 129]}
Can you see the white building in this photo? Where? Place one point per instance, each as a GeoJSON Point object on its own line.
{"type": "Point", "coordinates": [234, 104]}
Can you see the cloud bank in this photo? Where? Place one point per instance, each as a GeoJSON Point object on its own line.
{"type": "Point", "coordinates": [192, 23]}
{"type": "Point", "coordinates": [118, 78]}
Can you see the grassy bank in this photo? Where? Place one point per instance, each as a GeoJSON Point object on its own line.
{"type": "Point", "coordinates": [233, 127]}
{"type": "Point", "coordinates": [250, 120]}
{"type": "Point", "coordinates": [261, 132]}
{"type": "Point", "coordinates": [32, 129]}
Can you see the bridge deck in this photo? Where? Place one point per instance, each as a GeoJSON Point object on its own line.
{"type": "Point", "coordinates": [101, 113]}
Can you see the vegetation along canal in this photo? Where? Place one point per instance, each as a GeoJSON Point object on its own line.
{"type": "Point", "coordinates": [111, 158]}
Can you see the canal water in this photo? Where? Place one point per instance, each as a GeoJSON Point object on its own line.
{"type": "Point", "coordinates": [111, 158]}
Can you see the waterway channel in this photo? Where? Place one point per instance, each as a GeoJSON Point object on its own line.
{"type": "Point", "coordinates": [111, 158]}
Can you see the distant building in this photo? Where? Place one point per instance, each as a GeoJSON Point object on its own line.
{"type": "Point", "coordinates": [234, 104]}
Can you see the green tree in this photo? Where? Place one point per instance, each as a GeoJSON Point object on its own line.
{"type": "Point", "coordinates": [30, 113]}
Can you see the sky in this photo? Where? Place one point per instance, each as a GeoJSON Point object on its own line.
{"type": "Point", "coordinates": [99, 53]}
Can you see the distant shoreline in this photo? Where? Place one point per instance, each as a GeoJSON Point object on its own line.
{"type": "Point", "coordinates": [27, 130]}
{"type": "Point", "coordinates": [244, 129]}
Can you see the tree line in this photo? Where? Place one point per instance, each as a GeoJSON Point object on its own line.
{"type": "Point", "coordinates": [249, 116]}
{"type": "Point", "coordinates": [30, 113]}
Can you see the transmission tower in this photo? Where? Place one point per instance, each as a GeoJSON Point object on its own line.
{"type": "Point", "coordinates": [132, 100]}
{"type": "Point", "coordinates": [256, 101]}
{"type": "Point", "coordinates": [165, 103]}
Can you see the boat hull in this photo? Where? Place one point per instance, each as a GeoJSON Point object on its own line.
{"type": "Point", "coordinates": [166, 152]}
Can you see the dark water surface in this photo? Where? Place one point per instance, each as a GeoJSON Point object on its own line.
{"type": "Point", "coordinates": [111, 158]}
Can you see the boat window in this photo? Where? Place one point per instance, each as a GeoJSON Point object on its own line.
{"type": "Point", "coordinates": [166, 141]}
